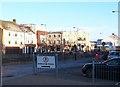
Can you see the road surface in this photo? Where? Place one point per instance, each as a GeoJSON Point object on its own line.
{"type": "Point", "coordinates": [12, 71]}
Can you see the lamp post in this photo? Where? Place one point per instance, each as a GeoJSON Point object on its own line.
{"type": "Point", "coordinates": [118, 11]}
{"type": "Point", "coordinates": [75, 46]}
{"type": "Point", "coordinates": [76, 34]}
{"type": "Point", "coordinates": [45, 35]}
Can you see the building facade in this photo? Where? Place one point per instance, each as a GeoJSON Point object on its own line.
{"type": "Point", "coordinates": [14, 38]}
{"type": "Point", "coordinates": [1, 36]}
{"type": "Point", "coordinates": [41, 40]}
{"type": "Point", "coordinates": [68, 39]}
{"type": "Point", "coordinates": [111, 39]}
{"type": "Point", "coordinates": [79, 38]}
{"type": "Point", "coordinates": [30, 39]}
{"type": "Point", "coordinates": [54, 40]}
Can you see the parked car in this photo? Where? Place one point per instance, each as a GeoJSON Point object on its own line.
{"type": "Point", "coordinates": [109, 69]}
{"type": "Point", "coordinates": [114, 54]}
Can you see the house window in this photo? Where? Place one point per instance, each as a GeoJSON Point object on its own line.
{"type": "Point", "coordinates": [32, 41]}
{"type": "Point", "coordinates": [54, 35]}
{"type": "Point", "coordinates": [58, 35]}
{"type": "Point", "coordinates": [15, 42]}
{"type": "Point", "coordinates": [49, 35]}
{"type": "Point", "coordinates": [8, 42]}
{"type": "Point", "coordinates": [58, 41]}
{"type": "Point", "coordinates": [15, 35]}
{"type": "Point", "coordinates": [9, 34]}
{"type": "Point", "coordinates": [21, 43]}
{"type": "Point", "coordinates": [84, 39]}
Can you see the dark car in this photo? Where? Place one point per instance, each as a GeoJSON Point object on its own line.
{"type": "Point", "coordinates": [109, 69]}
{"type": "Point", "coordinates": [114, 54]}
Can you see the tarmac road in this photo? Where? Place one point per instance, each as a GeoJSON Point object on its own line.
{"type": "Point", "coordinates": [69, 73]}
{"type": "Point", "coordinates": [10, 71]}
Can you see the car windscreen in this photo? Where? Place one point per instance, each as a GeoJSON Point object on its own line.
{"type": "Point", "coordinates": [115, 53]}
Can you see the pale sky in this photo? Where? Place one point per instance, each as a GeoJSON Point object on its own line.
{"type": "Point", "coordinates": [96, 18]}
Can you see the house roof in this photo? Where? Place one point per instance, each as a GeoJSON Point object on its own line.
{"type": "Point", "coordinates": [9, 25]}
{"type": "Point", "coordinates": [26, 28]}
{"type": "Point", "coordinates": [112, 37]}
{"type": "Point", "coordinates": [59, 32]}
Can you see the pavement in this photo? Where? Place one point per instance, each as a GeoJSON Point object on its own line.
{"type": "Point", "coordinates": [48, 80]}
{"type": "Point", "coordinates": [51, 79]}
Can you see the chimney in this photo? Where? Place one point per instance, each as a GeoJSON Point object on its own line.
{"type": "Point", "coordinates": [14, 21]}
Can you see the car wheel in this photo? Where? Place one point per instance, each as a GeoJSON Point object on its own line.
{"type": "Point", "coordinates": [89, 73]}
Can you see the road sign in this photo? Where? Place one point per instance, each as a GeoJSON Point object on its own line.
{"type": "Point", "coordinates": [45, 61]}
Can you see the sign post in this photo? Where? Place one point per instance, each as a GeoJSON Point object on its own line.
{"type": "Point", "coordinates": [45, 61]}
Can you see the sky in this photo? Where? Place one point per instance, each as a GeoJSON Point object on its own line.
{"type": "Point", "coordinates": [96, 18]}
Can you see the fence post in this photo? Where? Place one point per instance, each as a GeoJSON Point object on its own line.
{"type": "Point", "coordinates": [1, 46]}
{"type": "Point", "coordinates": [34, 65]}
{"type": "Point", "coordinates": [56, 65]}
{"type": "Point", "coordinates": [93, 71]}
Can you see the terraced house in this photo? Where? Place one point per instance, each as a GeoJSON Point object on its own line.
{"type": "Point", "coordinates": [58, 41]}
{"type": "Point", "coordinates": [17, 39]}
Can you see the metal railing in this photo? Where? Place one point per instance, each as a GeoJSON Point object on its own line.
{"type": "Point", "coordinates": [105, 72]}
{"type": "Point", "coordinates": [16, 58]}
{"type": "Point", "coordinates": [24, 58]}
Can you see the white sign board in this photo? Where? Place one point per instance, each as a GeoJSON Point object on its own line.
{"type": "Point", "coordinates": [45, 61]}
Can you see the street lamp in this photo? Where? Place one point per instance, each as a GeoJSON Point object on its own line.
{"type": "Point", "coordinates": [114, 11]}
{"type": "Point", "coordinates": [75, 46]}
{"type": "Point", "coordinates": [77, 34]}
{"type": "Point", "coordinates": [45, 35]}
{"type": "Point", "coordinates": [43, 25]}
{"type": "Point", "coordinates": [118, 11]}
{"type": "Point", "coordinates": [45, 32]}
